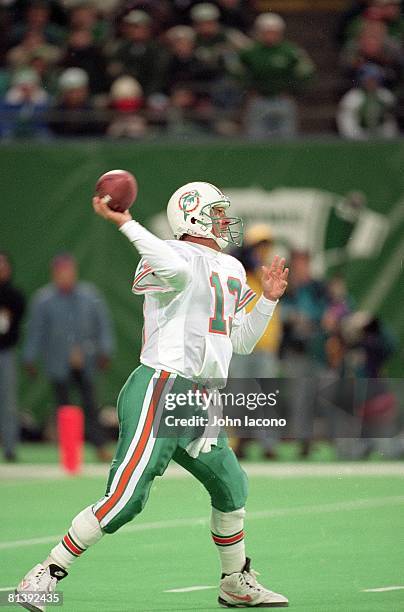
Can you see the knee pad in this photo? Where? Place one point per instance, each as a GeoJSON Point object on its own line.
{"type": "Point", "coordinates": [86, 529]}
{"type": "Point", "coordinates": [231, 493]}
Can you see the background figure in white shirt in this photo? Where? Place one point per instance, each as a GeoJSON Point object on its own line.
{"type": "Point", "coordinates": [367, 111]}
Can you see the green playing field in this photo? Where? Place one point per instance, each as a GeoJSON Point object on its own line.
{"type": "Point", "coordinates": [316, 533]}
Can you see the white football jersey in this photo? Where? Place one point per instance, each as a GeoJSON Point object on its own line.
{"type": "Point", "coordinates": [188, 332]}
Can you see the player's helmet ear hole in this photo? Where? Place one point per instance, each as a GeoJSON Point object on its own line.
{"type": "Point", "coordinates": [193, 220]}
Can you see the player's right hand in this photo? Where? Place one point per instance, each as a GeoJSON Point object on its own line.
{"type": "Point", "coordinates": [101, 208]}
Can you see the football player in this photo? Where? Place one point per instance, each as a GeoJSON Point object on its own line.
{"type": "Point", "coordinates": [194, 318]}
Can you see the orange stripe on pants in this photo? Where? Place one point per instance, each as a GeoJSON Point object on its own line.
{"type": "Point", "coordinates": [138, 451]}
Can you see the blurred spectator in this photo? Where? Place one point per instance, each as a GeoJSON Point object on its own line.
{"type": "Point", "coordinates": [274, 68]}
{"type": "Point", "coordinates": [44, 64]}
{"type": "Point", "coordinates": [37, 19]}
{"type": "Point", "coordinates": [56, 8]}
{"type": "Point", "coordinates": [374, 45]}
{"type": "Point", "coordinates": [139, 55]}
{"type": "Point", "coordinates": [303, 349]}
{"type": "Point", "coordinates": [378, 344]}
{"type": "Point", "coordinates": [369, 344]}
{"type": "Point", "coordinates": [32, 45]}
{"type": "Point", "coordinates": [367, 111]}
{"type": "Point", "coordinates": [348, 16]}
{"type": "Point", "coordinates": [181, 10]}
{"type": "Point", "coordinates": [236, 14]}
{"type": "Point", "coordinates": [184, 67]}
{"type": "Point", "coordinates": [161, 11]}
{"type": "Point", "coordinates": [217, 47]}
{"type": "Point", "coordinates": [12, 305]}
{"type": "Point", "coordinates": [340, 305]}
{"type": "Point", "coordinates": [216, 42]}
{"type": "Point", "coordinates": [69, 328]}
{"type": "Point", "coordinates": [23, 109]}
{"type": "Point", "coordinates": [126, 100]}
{"type": "Point", "coordinates": [187, 115]}
{"type": "Point", "coordinates": [82, 52]}
{"type": "Point", "coordinates": [74, 111]}
{"type": "Point", "coordinates": [393, 18]}
{"type": "Point", "coordinates": [85, 16]}
{"type": "Point", "coordinates": [387, 11]}
{"type": "Point", "coordinates": [263, 361]}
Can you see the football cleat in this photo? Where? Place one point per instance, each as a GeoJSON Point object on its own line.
{"type": "Point", "coordinates": [39, 580]}
{"type": "Point", "coordinates": [241, 590]}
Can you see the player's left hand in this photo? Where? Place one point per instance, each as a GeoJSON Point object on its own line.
{"type": "Point", "coordinates": [275, 279]}
{"type": "Point", "coordinates": [102, 209]}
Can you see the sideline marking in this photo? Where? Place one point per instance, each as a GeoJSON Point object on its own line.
{"type": "Point", "coordinates": [14, 473]}
{"type": "Point", "coordinates": [383, 589]}
{"type": "Point", "coordinates": [189, 589]}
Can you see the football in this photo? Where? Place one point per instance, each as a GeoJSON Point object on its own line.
{"type": "Point", "coordinates": [120, 187]}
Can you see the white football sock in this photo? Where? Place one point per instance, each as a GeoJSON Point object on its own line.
{"type": "Point", "coordinates": [228, 535]}
{"type": "Point", "coordinates": [84, 532]}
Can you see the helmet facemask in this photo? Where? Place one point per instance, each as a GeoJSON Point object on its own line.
{"type": "Point", "coordinates": [224, 230]}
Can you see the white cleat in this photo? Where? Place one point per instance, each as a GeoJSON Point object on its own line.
{"type": "Point", "coordinates": [241, 590]}
{"type": "Point", "coordinates": [39, 583]}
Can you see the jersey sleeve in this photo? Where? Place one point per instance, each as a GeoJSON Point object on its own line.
{"type": "Point", "coordinates": [146, 281]}
{"type": "Point", "coordinates": [246, 295]}
{"type": "Point", "coordinates": [166, 264]}
{"type": "Point", "coordinates": [247, 329]}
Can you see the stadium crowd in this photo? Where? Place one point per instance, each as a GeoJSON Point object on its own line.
{"type": "Point", "coordinates": [137, 69]}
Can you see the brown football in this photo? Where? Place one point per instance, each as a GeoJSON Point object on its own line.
{"type": "Point", "coordinates": [120, 186]}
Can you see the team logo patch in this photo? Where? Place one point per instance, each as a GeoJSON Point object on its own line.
{"type": "Point", "coordinates": [189, 202]}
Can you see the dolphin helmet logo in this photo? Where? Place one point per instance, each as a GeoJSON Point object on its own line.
{"type": "Point", "coordinates": [188, 202]}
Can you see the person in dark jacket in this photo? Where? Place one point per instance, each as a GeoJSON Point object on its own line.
{"type": "Point", "coordinates": [70, 329]}
{"type": "Point", "coordinates": [74, 113]}
{"type": "Point", "coordinates": [82, 52]}
{"type": "Point", "coordinates": [12, 304]}
{"type": "Point", "coordinates": [138, 54]}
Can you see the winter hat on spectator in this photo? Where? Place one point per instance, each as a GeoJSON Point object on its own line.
{"type": "Point", "coordinates": [126, 94]}
{"type": "Point", "coordinates": [137, 18]}
{"type": "Point", "coordinates": [180, 32]}
{"type": "Point", "coordinates": [204, 12]}
{"type": "Point", "coordinates": [27, 76]}
{"type": "Point", "coordinates": [269, 21]}
{"type": "Point", "coordinates": [73, 78]}
{"type": "Point", "coordinates": [126, 87]}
